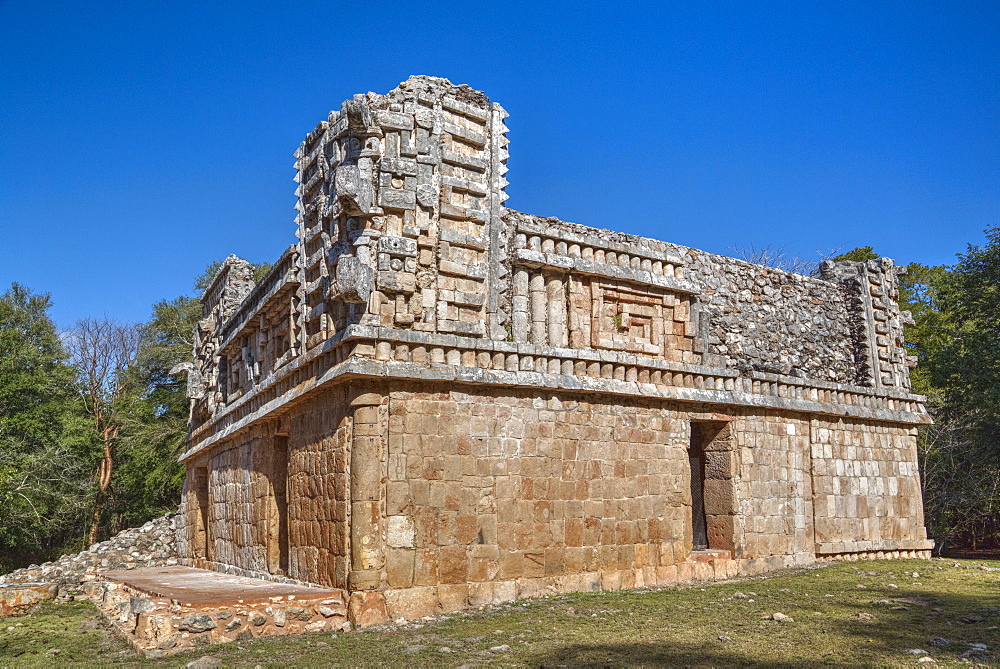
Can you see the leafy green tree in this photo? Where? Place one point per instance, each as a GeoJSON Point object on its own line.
{"type": "Point", "coordinates": [149, 477]}
{"type": "Point", "coordinates": [34, 378]}
{"type": "Point", "coordinates": [919, 293]}
{"type": "Point", "coordinates": [43, 459]}
{"type": "Point", "coordinates": [857, 254]}
{"type": "Point", "coordinates": [958, 339]}
{"type": "Point", "coordinates": [968, 363]}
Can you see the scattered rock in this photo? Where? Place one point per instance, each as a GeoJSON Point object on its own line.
{"type": "Point", "coordinates": [299, 613]}
{"type": "Point", "coordinates": [916, 651]}
{"type": "Point", "coordinates": [939, 642]}
{"type": "Point", "coordinates": [279, 617]}
{"type": "Point", "coordinates": [410, 650]}
{"type": "Point", "coordinates": [138, 605]}
{"type": "Point", "coordinates": [198, 622]}
{"type": "Point", "coordinates": [926, 659]}
{"type": "Point", "coordinates": [500, 649]}
{"type": "Point", "coordinates": [206, 662]}
{"type": "Point", "coordinates": [152, 545]}
{"type": "Point", "coordinates": [724, 638]}
{"type": "Point", "coordinates": [327, 612]}
{"type": "Point", "coordinates": [740, 595]}
{"type": "Point", "coordinates": [223, 615]}
{"type": "Point", "coordinates": [234, 625]}
{"type": "Point", "coordinates": [975, 650]}
{"type": "Point", "coordinates": [781, 618]}
{"type": "Point", "coordinates": [969, 620]}
{"type": "Point", "coordinates": [258, 619]}
{"type": "Point", "coordinates": [864, 616]}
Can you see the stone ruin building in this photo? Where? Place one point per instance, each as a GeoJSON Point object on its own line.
{"type": "Point", "coordinates": [432, 401]}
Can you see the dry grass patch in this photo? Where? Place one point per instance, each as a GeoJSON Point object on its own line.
{"type": "Point", "coordinates": [856, 614]}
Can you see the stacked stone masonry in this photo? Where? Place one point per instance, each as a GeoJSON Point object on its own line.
{"type": "Point", "coordinates": [433, 402]}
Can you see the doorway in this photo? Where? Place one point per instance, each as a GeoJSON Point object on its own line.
{"type": "Point", "coordinates": [277, 553]}
{"type": "Point", "coordinates": [713, 463]}
{"type": "Point", "coordinates": [201, 542]}
{"type": "Point", "coordinates": [696, 462]}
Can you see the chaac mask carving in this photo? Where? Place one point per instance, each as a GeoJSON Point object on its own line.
{"type": "Point", "coordinates": [399, 195]}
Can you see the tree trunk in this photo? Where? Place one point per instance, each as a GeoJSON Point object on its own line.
{"type": "Point", "coordinates": [103, 482]}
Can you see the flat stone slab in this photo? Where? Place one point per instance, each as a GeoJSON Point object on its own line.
{"type": "Point", "coordinates": [201, 588]}
{"type": "Point", "coordinates": [19, 597]}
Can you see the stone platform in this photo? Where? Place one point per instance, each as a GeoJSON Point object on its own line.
{"type": "Point", "coordinates": [166, 610]}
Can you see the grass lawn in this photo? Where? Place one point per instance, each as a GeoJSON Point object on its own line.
{"type": "Point", "coordinates": [856, 614]}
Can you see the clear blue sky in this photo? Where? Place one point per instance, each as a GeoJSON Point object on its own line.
{"type": "Point", "coordinates": [140, 141]}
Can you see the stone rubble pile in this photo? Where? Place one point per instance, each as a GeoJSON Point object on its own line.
{"type": "Point", "coordinates": [152, 545]}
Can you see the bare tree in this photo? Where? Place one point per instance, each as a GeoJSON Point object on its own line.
{"type": "Point", "coordinates": [778, 258]}
{"type": "Point", "coordinates": [104, 353]}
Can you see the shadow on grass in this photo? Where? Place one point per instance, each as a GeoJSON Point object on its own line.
{"type": "Point", "coordinates": [658, 654]}
{"type": "Point", "coordinates": [864, 632]}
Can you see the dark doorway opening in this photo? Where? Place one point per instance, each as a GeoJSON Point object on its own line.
{"type": "Point", "coordinates": [201, 542]}
{"type": "Point", "coordinates": [278, 530]}
{"type": "Point", "coordinates": [713, 461]}
{"type": "Point", "coordinates": [696, 461]}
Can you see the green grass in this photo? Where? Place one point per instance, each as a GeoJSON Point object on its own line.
{"type": "Point", "coordinates": [835, 623]}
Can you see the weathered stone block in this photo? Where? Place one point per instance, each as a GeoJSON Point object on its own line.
{"type": "Point", "coordinates": [367, 608]}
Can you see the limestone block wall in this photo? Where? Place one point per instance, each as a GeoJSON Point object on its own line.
{"type": "Point", "coordinates": [399, 200]}
{"type": "Point", "coordinates": [867, 487]}
{"type": "Point", "coordinates": [509, 486]}
{"type": "Point", "coordinates": [420, 497]}
{"type": "Point", "coordinates": [774, 489]}
{"type": "Point", "coordinates": [239, 491]}
{"type": "Point", "coordinates": [872, 289]}
{"type": "Point", "coordinates": [273, 501]}
{"type": "Point", "coordinates": [227, 513]}
{"type": "Point", "coordinates": [319, 434]}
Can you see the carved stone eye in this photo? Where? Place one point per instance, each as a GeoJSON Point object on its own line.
{"type": "Point", "coordinates": [396, 264]}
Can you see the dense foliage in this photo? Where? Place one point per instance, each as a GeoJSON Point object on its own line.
{"type": "Point", "coordinates": [958, 340]}
{"type": "Point", "coordinates": [91, 422]}
{"type": "Point", "coordinates": [45, 451]}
